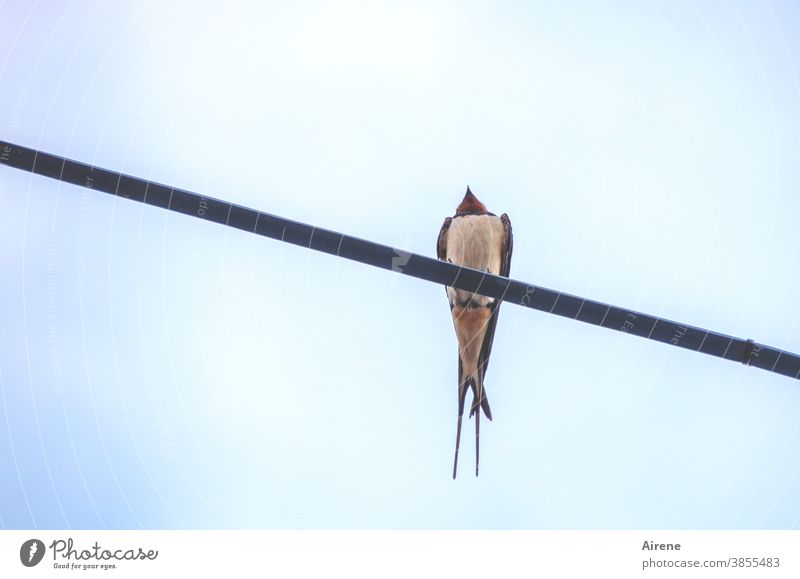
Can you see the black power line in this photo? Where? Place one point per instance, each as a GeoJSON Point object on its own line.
{"type": "Point", "coordinates": [375, 254]}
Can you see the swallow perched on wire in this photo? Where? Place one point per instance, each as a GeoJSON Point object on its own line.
{"type": "Point", "coordinates": [474, 238]}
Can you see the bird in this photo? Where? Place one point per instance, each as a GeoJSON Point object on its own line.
{"type": "Point", "coordinates": [478, 239]}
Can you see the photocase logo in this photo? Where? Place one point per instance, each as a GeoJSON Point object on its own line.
{"type": "Point", "coordinates": [31, 552]}
{"type": "Point", "coordinates": [67, 555]}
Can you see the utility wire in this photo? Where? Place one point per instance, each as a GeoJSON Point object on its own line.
{"type": "Point", "coordinates": [397, 260]}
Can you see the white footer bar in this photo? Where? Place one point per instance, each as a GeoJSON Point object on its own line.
{"type": "Point", "coordinates": [377, 554]}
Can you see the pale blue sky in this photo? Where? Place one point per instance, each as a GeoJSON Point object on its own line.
{"type": "Point", "coordinates": [158, 371]}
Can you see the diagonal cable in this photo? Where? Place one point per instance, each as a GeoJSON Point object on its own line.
{"type": "Point", "coordinates": [419, 266]}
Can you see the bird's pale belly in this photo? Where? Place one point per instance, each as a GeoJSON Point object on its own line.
{"type": "Point", "coordinates": [474, 241]}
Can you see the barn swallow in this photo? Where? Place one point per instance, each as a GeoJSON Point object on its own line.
{"type": "Point", "coordinates": [474, 238]}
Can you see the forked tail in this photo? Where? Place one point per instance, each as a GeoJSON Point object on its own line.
{"type": "Point", "coordinates": [479, 401]}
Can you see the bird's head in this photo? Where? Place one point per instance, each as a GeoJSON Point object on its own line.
{"type": "Point", "coordinates": [470, 205]}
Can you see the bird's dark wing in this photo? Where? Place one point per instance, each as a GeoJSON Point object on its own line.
{"type": "Point", "coordinates": [441, 243]}
{"type": "Point", "coordinates": [508, 246]}
{"type": "Point", "coordinates": [486, 347]}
